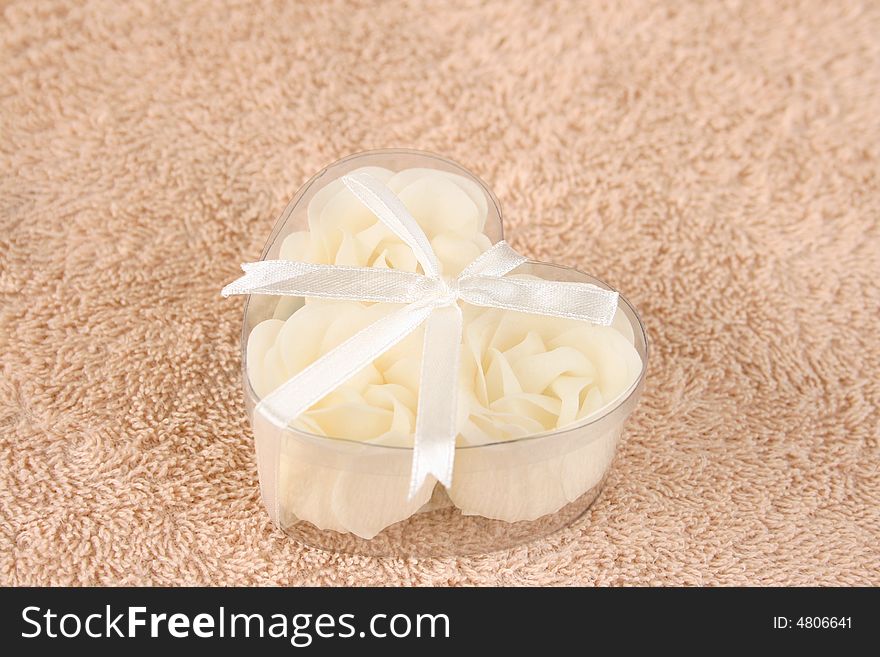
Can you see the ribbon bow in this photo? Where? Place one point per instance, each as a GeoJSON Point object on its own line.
{"type": "Point", "coordinates": [429, 299]}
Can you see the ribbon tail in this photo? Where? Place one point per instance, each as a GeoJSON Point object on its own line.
{"type": "Point", "coordinates": [303, 279]}
{"type": "Point", "coordinates": [434, 445]}
{"type": "Point", "coordinates": [498, 260]}
{"type": "Point", "coordinates": [338, 365]}
{"type": "Point", "coordinates": [581, 301]}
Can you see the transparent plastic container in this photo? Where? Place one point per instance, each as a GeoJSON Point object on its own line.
{"type": "Point", "coordinates": [540, 483]}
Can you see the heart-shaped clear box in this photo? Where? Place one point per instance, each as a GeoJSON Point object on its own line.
{"type": "Point", "coordinates": [334, 493]}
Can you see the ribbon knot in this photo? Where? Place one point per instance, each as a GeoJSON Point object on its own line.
{"type": "Point", "coordinates": [447, 291]}
{"type": "Point", "coordinates": [429, 299]}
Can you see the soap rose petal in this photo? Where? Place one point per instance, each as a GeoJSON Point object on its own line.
{"type": "Point", "coordinates": [541, 408]}
{"type": "Point", "coordinates": [537, 371]}
{"type": "Point", "coordinates": [324, 195]}
{"type": "Point", "coordinates": [342, 231]}
{"type": "Point", "coordinates": [503, 483]}
{"type": "Point", "coordinates": [568, 389]}
{"type": "Point", "coordinates": [300, 338]}
{"type": "Point", "coordinates": [353, 421]}
{"type": "Point", "coordinates": [440, 206]}
{"type": "Point", "coordinates": [286, 307]}
{"type": "Point", "coordinates": [306, 488]}
{"type": "Point", "coordinates": [523, 483]}
{"type": "Point", "coordinates": [454, 252]}
{"type": "Point", "coordinates": [261, 339]}
{"type": "Point", "coordinates": [367, 502]}
{"type": "Point", "coordinates": [408, 176]}
{"type": "Point", "coordinates": [294, 483]}
{"type": "Point", "coordinates": [297, 246]}
{"type": "Point", "coordinates": [501, 380]}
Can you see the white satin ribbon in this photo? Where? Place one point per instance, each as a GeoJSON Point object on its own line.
{"type": "Point", "coordinates": [429, 298]}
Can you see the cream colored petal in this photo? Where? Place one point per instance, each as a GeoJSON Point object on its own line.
{"type": "Point", "coordinates": [298, 246]}
{"type": "Point", "coordinates": [293, 482]}
{"type": "Point", "coordinates": [504, 484]}
{"type": "Point", "coordinates": [472, 434]}
{"type": "Point", "coordinates": [507, 426]}
{"type": "Point", "coordinates": [593, 402]}
{"type": "Point", "coordinates": [324, 195]}
{"type": "Point", "coordinates": [305, 487]}
{"type": "Point", "coordinates": [349, 317]}
{"type": "Point", "coordinates": [617, 362]}
{"type": "Point", "coordinates": [319, 202]}
{"type": "Point", "coordinates": [440, 206]}
{"type": "Point", "coordinates": [366, 503]}
{"type": "Point", "coordinates": [349, 393]}
{"type": "Point", "coordinates": [286, 307]}
{"type": "Point", "coordinates": [480, 325]}
{"type": "Point", "coordinates": [541, 408]}
{"type": "Point", "coordinates": [500, 378]}
{"type": "Point", "coordinates": [369, 497]}
{"type": "Point", "coordinates": [408, 176]}
{"type": "Point", "coordinates": [405, 372]}
{"type": "Point", "coordinates": [387, 395]}
{"type": "Point", "coordinates": [375, 238]}
{"type": "Point", "coordinates": [351, 253]}
{"type": "Point", "coordinates": [476, 194]}
{"type": "Point", "coordinates": [274, 371]}
{"type": "Point", "coordinates": [530, 345]}
{"type": "Point", "coordinates": [454, 252]}
{"type": "Point", "coordinates": [305, 424]}
{"type": "Point", "coordinates": [400, 256]}
{"type": "Point", "coordinates": [482, 241]}
{"type": "Point", "coordinates": [512, 327]}
{"type": "Point", "coordinates": [478, 329]}
{"type": "Point", "coordinates": [474, 377]}
{"type": "Point", "coordinates": [381, 261]}
{"type": "Point", "coordinates": [402, 405]}
{"type": "Point", "coordinates": [622, 325]}
{"type": "Point", "coordinates": [261, 339]}
{"type": "Point", "coordinates": [530, 479]}
{"type": "Point", "coordinates": [409, 347]}
{"type": "Point", "coordinates": [394, 256]}
{"type": "Point", "coordinates": [367, 376]}
{"type": "Point", "coordinates": [537, 371]}
{"type": "Point", "coordinates": [357, 421]}
{"type": "Point", "coordinates": [471, 379]}
{"type": "Point", "coordinates": [300, 339]}
{"type": "Point", "coordinates": [342, 209]}
{"type": "Point", "coordinates": [343, 215]}
{"type": "Point", "coordinates": [568, 390]}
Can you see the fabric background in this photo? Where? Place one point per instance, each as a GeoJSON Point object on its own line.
{"type": "Point", "coordinates": [718, 162]}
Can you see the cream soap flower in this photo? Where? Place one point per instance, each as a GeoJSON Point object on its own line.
{"type": "Point", "coordinates": [521, 375]}
{"type": "Point", "coordinates": [527, 375]}
{"type": "Point", "coordinates": [376, 406]}
{"type": "Point", "coordinates": [450, 209]}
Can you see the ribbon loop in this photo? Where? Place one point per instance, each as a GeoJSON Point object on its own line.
{"type": "Point", "coordinates": [302, 279]}
{"type": "Point", "coordinates": [581, 301]}
{"type": "Point", "coordinates": [429, 299]}
{"type": "Point", "coordinates": [498, 260]}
